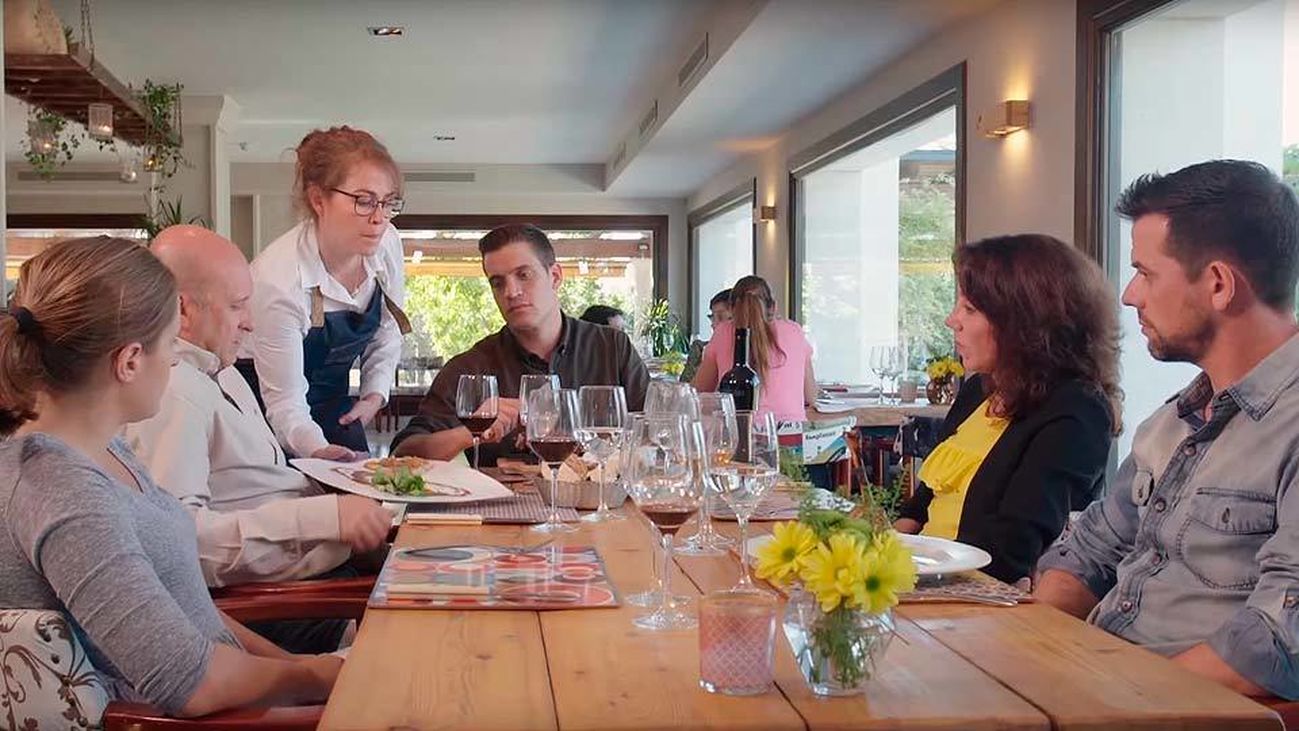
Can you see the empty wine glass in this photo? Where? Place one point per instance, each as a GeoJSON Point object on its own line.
{"type": "Point", "coordinates": [527, 384]}
{"type": "Point", "coordinates": [553, 423]}
{"type": "Point", "coordinates": [477, 405]}
{"type": "Point", "coordinates": [717, 418]}
{"type": "Point", "coordinates": [661, 482]}
{"type": "Point", "coordinates": [672, 397]}
{"type": "Point", "coordinates": [604, 415]}
{"type": "Point", "coordinates": [746, 477]}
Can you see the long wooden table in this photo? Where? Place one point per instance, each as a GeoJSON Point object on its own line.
{"type": "Point", "coordinates": [951, 666]}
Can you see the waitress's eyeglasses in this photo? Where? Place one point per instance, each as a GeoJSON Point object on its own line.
{"type": "Point", "coordinates": [366, 204]}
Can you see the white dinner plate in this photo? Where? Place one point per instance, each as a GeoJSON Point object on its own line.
{"type": "Point", "coordinates": [933, 556]}
{"type": "Point", "coordinates": [449, 482]}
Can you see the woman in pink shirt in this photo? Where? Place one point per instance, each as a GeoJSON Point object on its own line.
{"type": "Point", "coordinates": [778, 351]}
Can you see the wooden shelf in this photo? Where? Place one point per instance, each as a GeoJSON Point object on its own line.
{"type": "Point", "coordinates": [67, 83]}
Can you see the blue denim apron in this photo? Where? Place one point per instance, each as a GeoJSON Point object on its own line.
{"type": "Point", "coordinates": [334, 342]}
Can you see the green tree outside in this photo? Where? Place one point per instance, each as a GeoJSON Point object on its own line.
{"type": "Point", "coordinates": [452, 313]}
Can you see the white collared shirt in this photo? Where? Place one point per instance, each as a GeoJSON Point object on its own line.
{"type": "Point", "coordinates": [258, 519]}
{"type": "Point", "coordinates": [283, 276]}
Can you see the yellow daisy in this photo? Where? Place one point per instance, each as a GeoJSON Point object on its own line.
{"type": "Point", "coordinates": [780, 558]}
{"type": "Point", "coordinates": [831, 571]}
{"type": "Point", "coordinates": [888, 572]}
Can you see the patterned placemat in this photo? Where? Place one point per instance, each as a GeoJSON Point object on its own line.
{"type": "Point", "coordinates": [525, 508]}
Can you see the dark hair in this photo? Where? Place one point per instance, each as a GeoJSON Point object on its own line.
{"type": "Point", "coordinates": [76, 302]}
{"type": "Point", "coordinates": [502, 236]}
{"type": "Point", "coordinates": [752, 306]}
{"type": "Point", "coordinates": [1053, 318]}
{"type": "Point", "coordinates": [326, 155]}
{"type": "Point", "coordinates": [601, 314]}
{"type": "Point", "coordinates": [1231, 209]}
{"type": "Point", "coordinates": [721, 298]}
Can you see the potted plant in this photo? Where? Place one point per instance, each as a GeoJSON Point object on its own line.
{"type": "Point", "coordinates": [944, 372]}
{"type": "Point", "coordinates": [662, 328]}
{"type": "Point", "coordinates": [162, 117]}
{"type": "Point", "coordinates": [846, 572]}
{"type": "Point", "coordinates": [51, 141]}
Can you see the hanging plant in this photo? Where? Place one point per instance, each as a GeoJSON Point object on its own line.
{"type": "Point", "coordinates": [51, 141]}
{"type": "Point", "coordinates": [162, 151]}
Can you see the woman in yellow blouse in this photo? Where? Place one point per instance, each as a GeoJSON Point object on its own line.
{"type": "Point", "coordinates": [1028, 437]}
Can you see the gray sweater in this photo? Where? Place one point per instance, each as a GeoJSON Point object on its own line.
{"type": "Point", "coordinates": [122, 564]}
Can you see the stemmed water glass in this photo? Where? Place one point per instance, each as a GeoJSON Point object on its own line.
{"type": "Point", "coordinates": [661, 482]}
{"type": "Point", "coordinates": [477, 405]}
{"type": "Point", "coordinates": [717, 418]}
{"type": "Point", "coordinates": [672, 397]}
{"type": "Point", "coordinates": [604, 415]}
{"type": "Point", "coordinates": [553, 426]}
{"type": "Point", "coordinates": [748, 475]}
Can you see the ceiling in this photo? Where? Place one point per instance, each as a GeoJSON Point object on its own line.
{"type": "Point", "coordinates": [533, 82]}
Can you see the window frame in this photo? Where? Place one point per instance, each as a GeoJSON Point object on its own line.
{"type": "Point", "coordinates": [943, 91]}
{"type": "Point", "coordinates": [744, 194]}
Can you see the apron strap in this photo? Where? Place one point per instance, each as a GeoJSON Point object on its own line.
{"type": "Point", "coordinates": [317, 307]}
{"type": "Point", "coordinates": [318, 310]}
{"type": "Point", "coordinates": [403, 322]}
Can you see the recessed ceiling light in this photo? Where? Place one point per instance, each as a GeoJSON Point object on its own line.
{"type": "Point", "coordinates": [386, 31]}
{"type": "Point", "coordinates": [444, 138]}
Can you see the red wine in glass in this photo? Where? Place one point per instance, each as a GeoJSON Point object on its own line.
{"type": "Point", "coordinates": [669, 516]}
{"type": "Point", "coordinates": [553, 451]}
{"type": "Point", "coordinates": [477, 424]}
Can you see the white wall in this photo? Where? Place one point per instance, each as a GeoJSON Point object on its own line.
{"type": "Point", "coordinates": [1019, 49]}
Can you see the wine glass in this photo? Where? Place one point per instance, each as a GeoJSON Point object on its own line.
{"type": "Point", "coordinates": [879, 357]}
{"type": "Point", "coordinates": [661, 482]}
{"type": "Point", "coordinates": [553, 421]}
{"type": "Point", "coordinates": [604, 415]}
{"type": "Point", "coordinates": [672, 397]}
{"type": "Point", "coordinates": [746, 477]}
{"type": "Point", "coordinates": [527, 384]}
{"type": "Point", "coordinates": [717, 417]}
{"type": "Point", "coordinates": [477, 405]}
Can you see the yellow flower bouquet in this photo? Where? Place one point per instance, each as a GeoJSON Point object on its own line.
{"type": "Point", "coordinates": [848, 571]}
{"type": "Point", "coordinates": [944, 368]}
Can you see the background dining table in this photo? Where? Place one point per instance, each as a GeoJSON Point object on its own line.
{"type": "Point", "coordinates": [951, 666]}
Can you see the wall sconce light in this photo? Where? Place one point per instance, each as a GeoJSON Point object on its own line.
{"type": "Point", "coordinates": [1004, 118]}
{"type": "Point", "coordinates": [766, 213]}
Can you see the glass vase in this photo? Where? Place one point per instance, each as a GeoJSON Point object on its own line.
{"type": "Point", "coordinates": [837, 652]}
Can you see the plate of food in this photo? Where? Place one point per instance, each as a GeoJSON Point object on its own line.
{"type": "Point", "coordinates": [405, 480]}
{"type": "Point", "coordinates": [932, 556]}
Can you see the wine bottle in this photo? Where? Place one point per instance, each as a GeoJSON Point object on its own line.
{"type": "Point", "coordinates": [741, 381]}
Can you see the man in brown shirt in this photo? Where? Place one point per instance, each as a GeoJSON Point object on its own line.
{"type": "Point", "coordinates": [538, 337]}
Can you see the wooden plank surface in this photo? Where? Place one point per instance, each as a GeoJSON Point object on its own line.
{"type": "Point", "coordinates": [1083, 677]}
{"type": "Point", "coordinates": [608, 674]}
{"type": "Point", "coordinates": [441, 669]}
{"type": "Point", "coordinates": [921, 683]}
{"type": "Point", "coordinates": [881, 415]}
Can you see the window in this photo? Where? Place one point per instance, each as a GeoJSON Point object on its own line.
{"type": "Point", "coordinates": [877, 214]}
{"type": "Point", "coordinates": [721, 249]}
{"type": "Point", "coordinates": [1191, 81]}
{"type": "Point", "coordinates": [28, 235]}
{"type": "Point", "coordinates": [450, 303]}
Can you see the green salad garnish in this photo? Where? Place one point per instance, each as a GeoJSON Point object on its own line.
{"type": "Point", "coordinates": [401, 481]}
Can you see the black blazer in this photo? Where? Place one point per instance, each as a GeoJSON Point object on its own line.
{"type": "Point", "coordinates": [1044, 465]}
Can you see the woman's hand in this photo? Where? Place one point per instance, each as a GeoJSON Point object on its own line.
{"type": "Point", "coordinates": [363, 410]}
{"type": "Point", "coordinates": [336, 453]}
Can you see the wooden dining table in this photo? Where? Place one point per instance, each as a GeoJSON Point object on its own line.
{"type": "Point", "coordinates": [951, 666]}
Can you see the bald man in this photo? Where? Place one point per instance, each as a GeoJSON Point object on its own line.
{"type": "Point", "coordinates": [258, 518]}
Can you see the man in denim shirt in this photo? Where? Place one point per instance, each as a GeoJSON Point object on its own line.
{"type": "Point", "coordinates": [1194, 552]}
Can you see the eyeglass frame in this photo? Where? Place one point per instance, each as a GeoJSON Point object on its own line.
{"type": "Point", "coordinates": [390, 206]}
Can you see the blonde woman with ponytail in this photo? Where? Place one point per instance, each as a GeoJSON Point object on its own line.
{"type": "Point", "coordinates": [86, 347]}
{"type": "Point", "coordinates": [778, 351]}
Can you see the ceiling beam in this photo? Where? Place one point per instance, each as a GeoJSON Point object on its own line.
{"type": "Point", "coordinates": [705, 47]}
